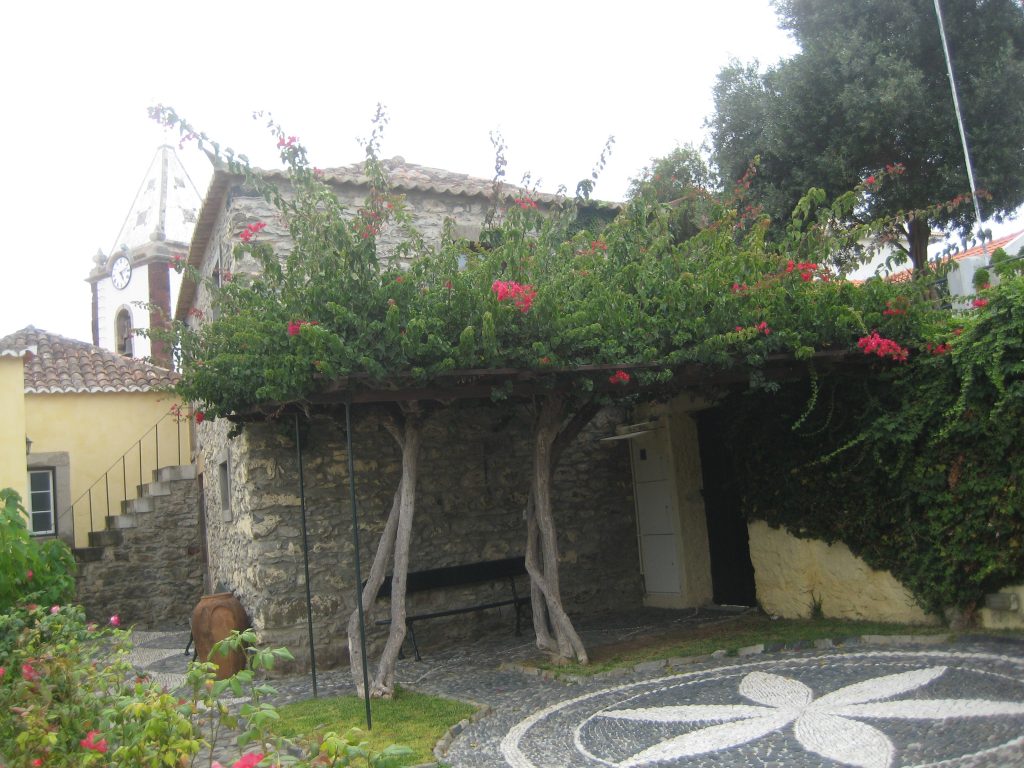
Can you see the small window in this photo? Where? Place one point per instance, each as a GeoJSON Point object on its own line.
{"type": "Point", "coordinates": [224, 476]}
{"type": "Point", "coordinates": [124, 333]}
{"type": "Point", "coordinates": [42, 504]}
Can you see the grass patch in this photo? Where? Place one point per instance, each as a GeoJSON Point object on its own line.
{"type": "Point", "coordinates": [411, 719]}
{"type": "Point", "coordinates": [729, 635]}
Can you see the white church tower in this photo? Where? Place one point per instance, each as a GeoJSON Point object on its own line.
{"type": "Point", "coordinates": [137, 271]}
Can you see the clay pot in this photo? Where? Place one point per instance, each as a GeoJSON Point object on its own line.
{"type": "Point", "coordinates": [212, 620]}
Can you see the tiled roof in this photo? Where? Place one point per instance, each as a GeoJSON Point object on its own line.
{"type": "Point", "coordinates": [1000, 242]}
{"type": "Point", "coordinates": [55, 364]}
{"type": "Point", "coordinates": [409, 177]}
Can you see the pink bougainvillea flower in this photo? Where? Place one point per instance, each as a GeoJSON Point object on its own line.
{"type": "Point", "coordinates": [619, 377]}
{"type": "Point", "coordinates": [249, 760]}
{"type": "Point", "coordinates": [979, 303]}
{"type": "Point", "coordinates": [873, 344]}
{"type": "Point", "coordinates": [115, 620]}
{"type": "Point", "coordinates": [522, 295]}
{"type": "Point", "coordinates": [54, 610]}
{"type": "Point", "coordinates": [89, 742]}
{"type": "Point", "coordinates": [252, 229]}
{"type": "Point", "coordinates": [295, 326]}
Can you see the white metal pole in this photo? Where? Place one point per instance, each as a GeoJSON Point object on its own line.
{"type": "Point", "coordinates": [960, 125]}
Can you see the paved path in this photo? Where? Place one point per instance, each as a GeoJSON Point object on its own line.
{"type": "Point", "coordinates": [869, 703]}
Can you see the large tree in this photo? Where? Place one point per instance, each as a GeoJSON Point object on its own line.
{"type": "Point", "coordinates": [869, 89]}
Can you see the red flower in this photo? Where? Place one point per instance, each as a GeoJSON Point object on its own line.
{"type": "Point", "coordinates": [790, 265]}
{"type": "Point", "coordinates": [89, 742]}
{"type": "Point", "coordinates": [248, 761]}
{"type": "Point", "coordinates": [115, 620]}
{"type": "Point", "coordinates": [525, 203]}
{"type": "Point", "coordinates": [28, 672]}
{"type": "Point", "coordinates": [739, 328]}
{"type": "Point", "coordinates": [29, 575]}
{"type": "Point", "coordinates": [869, 180]}
{"type": "Point", "coordinates": [251, 230]}
{"type": "Point", "coordinates": [763, 328]}
{"type": "Point", "coordinates": [979, 303]}
{"type": "Point", "coordinates": [874, 344]}
{"type": "Point", "coordinates": [295, 326]}
{"type": "Point", "coordinates": [619, 377]}
{"type": "Point", "coordinates": [522, 295]}
{"type": "Point", "coordinates": [3, 672]}
{"type": "Point", "coordinates": [200, 418]}
{"type": "Point", "coordinates": [37, 762]}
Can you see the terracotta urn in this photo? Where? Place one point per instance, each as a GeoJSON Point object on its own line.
{"type": "Point", "coordinates": [212, 620]}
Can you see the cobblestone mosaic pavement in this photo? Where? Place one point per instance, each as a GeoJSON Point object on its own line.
{"type": "Point", "coordinates": [871, 703]}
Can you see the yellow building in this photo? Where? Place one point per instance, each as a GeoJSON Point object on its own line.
{"type": "Point", "coordinates": [86, 427]}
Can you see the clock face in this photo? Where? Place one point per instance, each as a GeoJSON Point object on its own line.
{"type": "Point", "coordinates": [121, 273]}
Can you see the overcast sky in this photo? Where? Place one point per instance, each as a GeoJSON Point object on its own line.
{"type": "Point", "coordinates": [556, 78]}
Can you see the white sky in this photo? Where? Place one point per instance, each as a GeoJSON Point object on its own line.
{"type": "Point", "coordinates": [556, 78]}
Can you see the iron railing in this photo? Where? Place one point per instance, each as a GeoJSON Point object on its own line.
{"type": "Point", "coordinates": [117, 485]}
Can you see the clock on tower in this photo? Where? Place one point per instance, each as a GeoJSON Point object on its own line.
{"type": "Point", "coordinates": [121, 272]}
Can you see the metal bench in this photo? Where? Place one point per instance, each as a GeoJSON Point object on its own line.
{"type": "Point", "coordinates": [460, 576]}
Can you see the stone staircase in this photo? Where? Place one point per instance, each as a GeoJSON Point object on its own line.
{"type": "Point", "coordinates": [146, 566]}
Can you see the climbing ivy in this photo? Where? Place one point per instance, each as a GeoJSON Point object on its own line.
{"type": "Point", "coordinates": [917, 466]}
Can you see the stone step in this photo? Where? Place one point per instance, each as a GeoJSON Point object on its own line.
{"type": "Point", "coordinates": [138, 506]}
{"type": "Point", "coordinates": [120, 522]}
{"type": "Point", "coordinates": [104, 538]}
{"type": "Point", "coordinates": [167, 474]}
{"type": "Point", "coordinates": [155, 488]}
{"type": "Point", "coordinates": [87, 554]}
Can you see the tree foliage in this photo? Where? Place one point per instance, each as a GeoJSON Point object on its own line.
{"type": "Point", "coordinates": [869, 89]}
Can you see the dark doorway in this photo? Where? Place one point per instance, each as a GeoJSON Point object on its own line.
{"type": "Point", "coordinates": [732, 575]}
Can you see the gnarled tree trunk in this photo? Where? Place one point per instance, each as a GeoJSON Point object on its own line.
{"type": "Point", "coordinates": [394, 542]}
{"type": "Point", "coordinates": [551, 434]}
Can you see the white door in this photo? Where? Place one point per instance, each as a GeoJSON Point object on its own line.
{"type": "Point", "coordinates": [656, 515]}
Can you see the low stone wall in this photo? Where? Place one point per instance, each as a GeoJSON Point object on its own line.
{"type": "Point", "coordinates": [474, 465]}
{"type": "Point", "coordinates": [151, 575]}
{"type": "Point", "coordinates": [793, 574]}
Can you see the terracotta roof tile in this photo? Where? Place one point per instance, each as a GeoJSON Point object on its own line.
{"type": "Point", "coordinates": [55, 364]}
{"type": "Point", "coordinates": [905, 274]}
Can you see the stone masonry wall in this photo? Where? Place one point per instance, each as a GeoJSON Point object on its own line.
{"type": "Point", "coordinates": [472, 488]}
{"type": "Point", "coordinates": [152, 578]}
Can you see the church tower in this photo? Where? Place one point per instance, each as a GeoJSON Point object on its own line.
{"type": "Point", "coordinates": [137, 271]}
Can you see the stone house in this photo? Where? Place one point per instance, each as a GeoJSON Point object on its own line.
{"type": "Point", "coordinates": [644, 513]}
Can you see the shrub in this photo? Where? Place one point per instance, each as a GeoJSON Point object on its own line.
{"type": "Point", "coordinates": [31, 571]}
{"type": "Point", "coordinates": [71, 698]}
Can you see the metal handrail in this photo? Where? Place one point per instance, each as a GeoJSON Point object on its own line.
{"type": "Point", "coordinates": [150, 438]}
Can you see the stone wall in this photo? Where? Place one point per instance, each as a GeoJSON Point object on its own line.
{"type": "Point", "coordinates": [472, 489]}
{"type": "Point", "coordinates": [793, 574]}
{"type": "Point", "coordinates": [149, 575]}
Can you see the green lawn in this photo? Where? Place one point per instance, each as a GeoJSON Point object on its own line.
{"type": "Point", "coordinates": [411, 719]}
{"type": "Point", "coordinates": [729, 635]}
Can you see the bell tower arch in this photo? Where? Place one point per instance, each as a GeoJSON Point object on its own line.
{"type": "Point", "coordinates": [133, 285]}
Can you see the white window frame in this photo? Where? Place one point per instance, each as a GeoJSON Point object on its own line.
{"type": "Point", "coordinates": [50, 473]}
